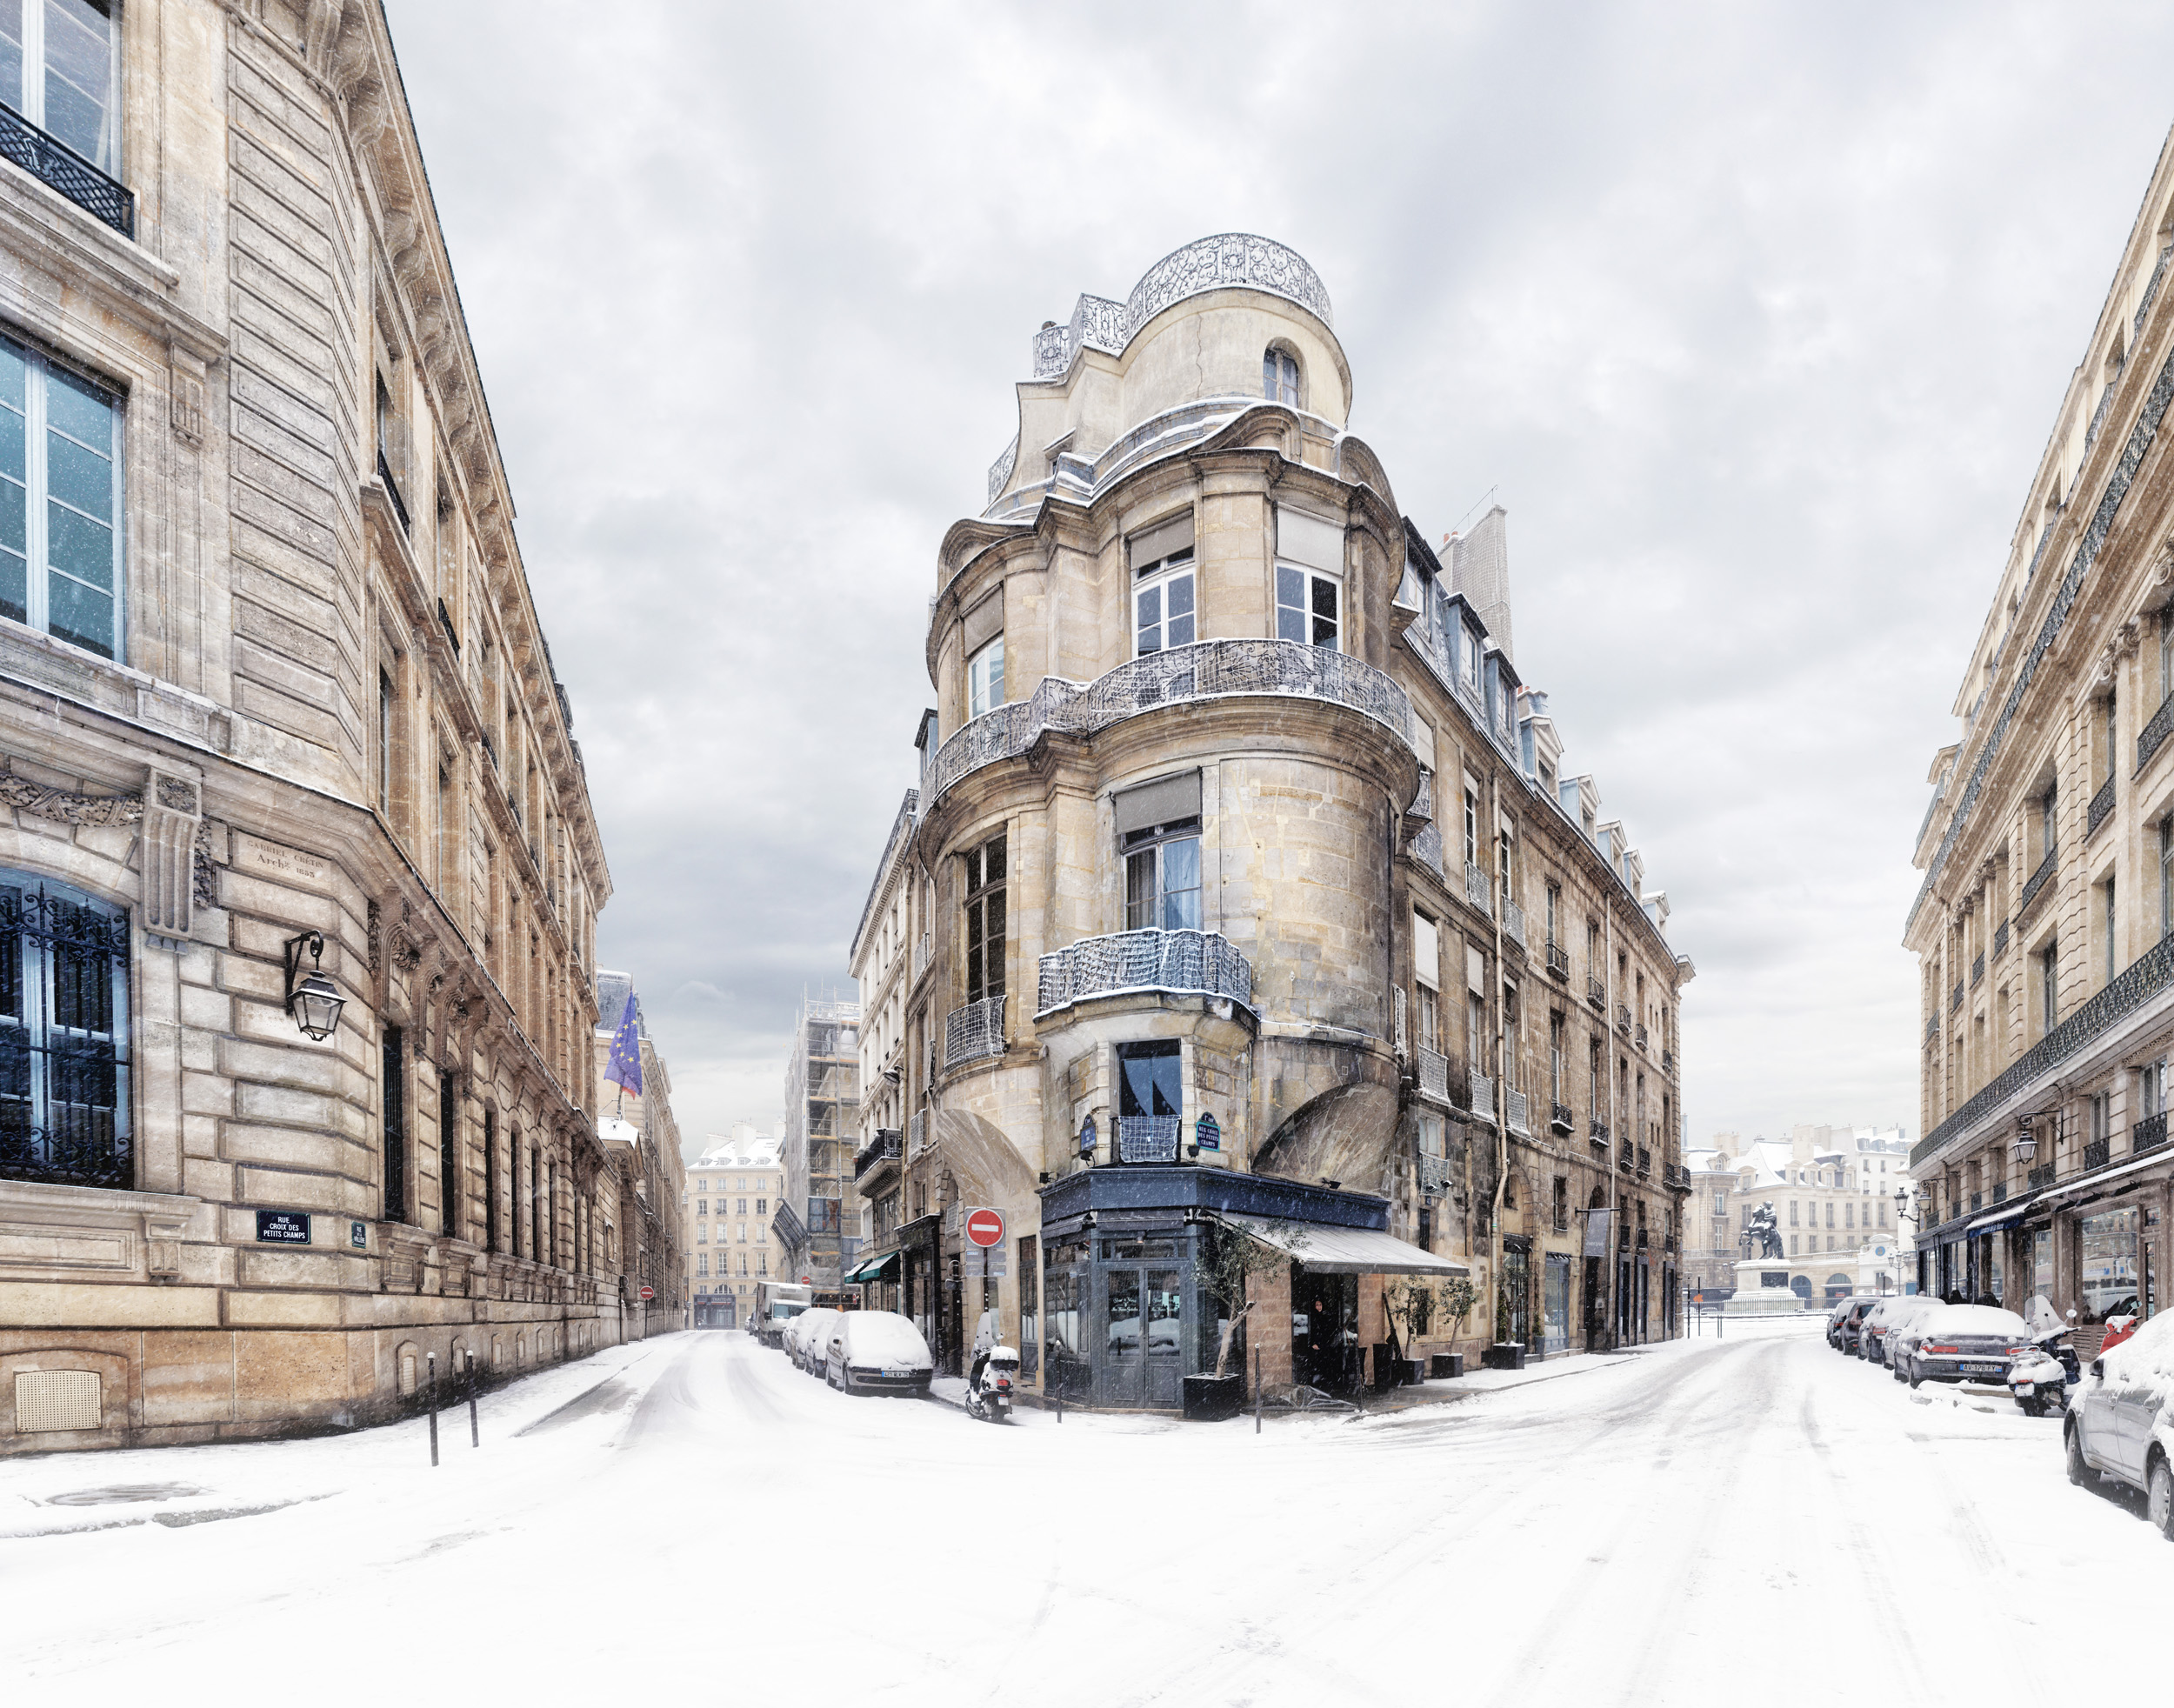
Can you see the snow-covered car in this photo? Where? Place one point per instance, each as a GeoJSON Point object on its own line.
{"type": "Point", "coordinates": [2117, 1423]}
{"type": "Point", "coordinates": [1850, 1323]}
{"type": "Point", "coordinates": [878, 1351]}
{"type": "Point", "coordinates": [1966, 1342]}
{"type": "Point", "coordinates": [809, 1333]}
{"type": "Point", "coordinates": [1834, 1322]}
{"type": "Point", "coordinates": [1883, 1318]}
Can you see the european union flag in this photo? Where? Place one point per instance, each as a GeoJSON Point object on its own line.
{"type": "Point", "coordinates": [625, 1065]}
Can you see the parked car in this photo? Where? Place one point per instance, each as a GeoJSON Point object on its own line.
{"type": "Point", "coordinates": [1905, 1330]}
{"type": "Point", "coordinates": [1850, 1323]}
{"type": "Point", "coordinates": [807, 1337]}
{"type": "Point", "coordinates": [1834, 1321]}
{"type": "Point", "coordinates": [1963, 1343]}
{"type": "Point", "coordinates": [1882, 1320]}
{"type": "Point", "coordinates": [2117, 1425]}
{"type": "Point", "coordinates": [878, 1351]}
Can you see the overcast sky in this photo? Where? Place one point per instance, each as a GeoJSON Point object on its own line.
{"type": "Point", "coordinates": [1756, 318]}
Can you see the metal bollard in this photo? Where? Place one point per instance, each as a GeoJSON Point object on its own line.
{"type": "Point", "coordinates": [432, 1358]}
{"type": "Point", "coordinates": [475, 1432]}
{"type": "Point", "coordinates": [1256, 1391]}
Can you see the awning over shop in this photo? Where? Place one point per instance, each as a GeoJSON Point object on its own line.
{"type": "Point", "coordinates": [876, 1268]}
{"type": "Point", "coordinates": [1336, 1251]}
{"type": "Point", "coordinates": [2006, 1216]}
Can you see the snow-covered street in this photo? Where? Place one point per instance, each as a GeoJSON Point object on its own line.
{"type": "Point", "coordinates": [1689, 1525]}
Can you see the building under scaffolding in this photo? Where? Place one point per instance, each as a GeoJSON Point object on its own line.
{"type": "Point", "coordinates": [822, 1098]}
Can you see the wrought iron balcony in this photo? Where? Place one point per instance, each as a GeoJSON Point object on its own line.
{"type": "Point", "coordinates": [1598, 1131]}
{"type": "Point", "coordinates": [1932, 1029]}
{"type": "Point", "coordinates": [1561, 1119]}
{"type": "Point", "coordinates": [59, 167]}
{"type": "Point", "coordinates": [2149, 1132]}
{"type": "Point", "coordinates": [1482, 1096]}
{"type": "Point", "coordinates": [2155, 733]}
{"type": "Point", "coordinates": [2036, 881]}
{"type": "Point", "coordinates": [1597, 992]}
{"type": "Point", "coordinates": [1559, 959]}
{"type": "Point", "coordinates": [1434, 1073]}
{"type": "Point", "coordinates": [1627, 1159]}
{"type": "Point", "coordinates": [2102, 804]}
{"type": "Point", "coordinates": [1622, 1017]}
{"type": "Point", "coordinates": [1977, 971]}
{"type": "Point", "coordinates": [1147, 1139]}
{"type": "Point", "coordinates": [1189, 961]}
{"type": "Point", "coordinates": [974, 1032]}
{"type": "Point", "coordinates": [1208, 670]}
{"type": "Point", "coordinates": [1645, 1161]}
{"type": "Point", "coordinates": [1434, 1176]}
{"type": "Point", "coordinates": [1639, 1032]}
{"type": "Point", "coordinates": [883, 1148]}
{"type": "Point", "coordinates": [2096, 1152]}
{"type": "Point", "coordinates": [1513, 921]}
{"type": "Point", "coordinates": [2000, 939]}
{"type": "Point", "coordinates": [1668, 1061]}
{"type": "Point", "coordinates": [1956, 1001]}
{"type": "Point", "coordinates": [2040, 1175]}
{"type": "Point", "coordinates": [1520, 1113]}
{"type": "Point", "coordinates": [1477, 890]}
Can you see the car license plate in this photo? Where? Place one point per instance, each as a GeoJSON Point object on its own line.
{"type": "Point", "coordinates": [1981, 1370]}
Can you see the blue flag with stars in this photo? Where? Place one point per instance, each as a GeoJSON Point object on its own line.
{"type": "Point", "coordinates": [625, 1065]}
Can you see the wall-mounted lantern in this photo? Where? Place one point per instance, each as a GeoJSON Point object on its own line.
{"type": "Point", "coordinates": [312, 998]}
{"type": "Point", "coordinates": [2026, 1146]}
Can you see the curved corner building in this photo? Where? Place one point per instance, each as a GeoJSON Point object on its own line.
{"type": "Point", "coordinates": [1174, 931]}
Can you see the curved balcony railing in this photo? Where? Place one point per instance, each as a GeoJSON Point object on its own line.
{"type": "Point", "coordinates": [1149, 960]}
{"type": "Point", "coordinates": [1212, 670]}
{"type": "Point", "coordinates": [1147, 1139]}
{"type": "Point", "coordinates": [974, 1032]}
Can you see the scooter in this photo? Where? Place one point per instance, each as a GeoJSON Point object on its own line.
{"type": "Point", "coordinates": [2042, 1377]}
{"type": "Point", "coordinates": [992, 1397]}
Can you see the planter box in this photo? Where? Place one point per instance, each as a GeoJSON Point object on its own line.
{"type": "Point", "coordinates": [1210, 1399]}
{"type": "Point", "coordinates": [1450, 1365]}
{"type": "Point", "coordinates": [1506, 1355]}
{"type": "Point", "coordinates": [1410, 1372]}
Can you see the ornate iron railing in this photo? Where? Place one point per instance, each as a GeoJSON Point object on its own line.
{"type": "Point", "coordinates": [1955, 1001]}
{"type": "Point", "coordinates": [2037, 881]}
{"type": "Point", "coordinates": [1482, 1096]}
{"type": "Point", "coordinates": [1596, 991]}
{"type": "Point", "coordinates": [1146, 960]}
{"type": "Point", "coordinates": [2098, 415]}
{"type": "Point", "coordinates": [1932, 1029]}
{"type": "Point", "coordinates": [2102, 804]}
{"type": "Point", "coordinates": [1622, 1017]}
{"type": "Point", "coordinates": [1561, 1119]}
{"type": "Point", "coordinates": [2000, 939]}
{"type": "Point", "coordinates": [1434, 1073]}
{"type": "Point", "coordinates": [2144, 978]}
{"type": "Point", "coordinates": [1638, 1031]}
{"type": "Point", "coordinates": [1147, 1139]}
{"type": "Point", "coordinates": [1477, 890]}
{"type": "Point", "coordinates": [2040, 1175]}
{"type": "Point", "coordinates": [1434, 1176]}
{"type": "Point", "coordinates": [1977, 971]}
{"type": "Point", "coordinates": [2154, 734]}
{"type": "Point", "coordinates": [59, 167]}
{"type": "Point", "coordinates": [392, 488]}
{"type": "Point", "coordinates": [1520, 1113]}
{"type": "Point", "coordinates": [2148, 1132]}
{"type": "Point", "coordinates": [1668, 1061]}
{"type": "Point", "coordinates": [883, 1148]}
{"type": "Point", "coordinates": [1599, 1133]}
{"type": "Point", "coordinates": [63, 1043]}
{"type": "Point", "coordinates": [1645, 1160]}
{"type": "Point", "coordinates": [2096, 1153]}
{"type": "Point", "coordinates": [1210, 670]}
{"type": "Point", "coordinates": [974, 1032]}
{"type": "Point", "coordinates": [1000, 470]}
{"type": "Point", "coordinates": [1559, 959]}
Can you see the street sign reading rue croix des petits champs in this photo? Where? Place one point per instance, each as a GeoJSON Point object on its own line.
{"type": "Point", "coordinates": [283, 1227]}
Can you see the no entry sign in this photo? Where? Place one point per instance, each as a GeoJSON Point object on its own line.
{"type": "Point", "coordinates": [984, 1226]}
{"type": "Point", "coordinates": [648, 1293]}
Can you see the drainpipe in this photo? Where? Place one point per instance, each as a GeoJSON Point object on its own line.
{"type": "Point", "coordinates": [1502, 1051]}
{"type": "Point", "coordinates": [1613, 1271]}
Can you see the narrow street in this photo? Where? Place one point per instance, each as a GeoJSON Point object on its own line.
{"type": "Point", "coordinates": [1653, 1532]}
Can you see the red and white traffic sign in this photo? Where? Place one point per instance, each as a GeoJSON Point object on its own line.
{"type": "Point", "coordinates": [648, 1293]}
{"type": "Point", "coordinates": [985, 1227]}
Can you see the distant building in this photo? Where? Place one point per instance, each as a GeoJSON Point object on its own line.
{"type": "Point", "coordinates": [822, 1100]}
{"type": "Point", "coordinates": [734, 1190]}
{"type": "Point", "coordinates": [641, 1142]}
{"type": "Point", "coordinates": [1833, 1192]}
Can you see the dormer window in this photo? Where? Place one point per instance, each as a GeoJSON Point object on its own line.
{"type": "Point", "coordinates": [1279, 377]}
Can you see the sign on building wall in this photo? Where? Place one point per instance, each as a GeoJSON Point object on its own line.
{"type": "Point", "coordinates": [283, 1227]}
{"type": "Point", "coordinates": [1597, 1232]}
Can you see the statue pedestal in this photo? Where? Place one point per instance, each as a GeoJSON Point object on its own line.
{"type": "Point", "coordinates": [1763, 1289]}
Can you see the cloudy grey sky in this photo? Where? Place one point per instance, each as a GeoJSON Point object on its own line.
{"type": "Point", "coordinates": [1757, 316]}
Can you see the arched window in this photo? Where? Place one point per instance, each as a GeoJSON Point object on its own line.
{"type": "Point", "coordinates": [64, 1037]}
{"type": "Point", "coordinates": [1279, 377]}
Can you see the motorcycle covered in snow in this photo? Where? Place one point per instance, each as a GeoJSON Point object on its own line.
{"type": "Point", "coordinates": [2043, 1378]}
{"type": "Point", "coordinates": [992, 1394]}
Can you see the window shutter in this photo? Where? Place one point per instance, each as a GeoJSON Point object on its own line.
{"type": "Point", "coordinates": [985, 621]}
{"type": "Point", "coordinates": [1164, 802]}
{"type": "Point", "coordinates": [1475, 971]}
{"type": "Point", "coordinates": [1308, 539]}
{"type": "Point", "coordinates": [1426, 950]}
{"type": "Point", "coordinates": [1151, 545]}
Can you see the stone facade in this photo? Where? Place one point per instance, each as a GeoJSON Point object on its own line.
{"type": "Point", "coordinates": [269, 671]}
{"type": "Point", "coordinates": [733, 1193]}
{"type": "Point", "coordinates": [1832, 1190]}
{"type": "Point", "coordinates": [1241, 880]}
{"type": "Point", "coordinates": [818, 1224]}
{"type": "Point", "coordinates": [640, 1139]}
{"type": "Point", "coordinates": [2042, 926]}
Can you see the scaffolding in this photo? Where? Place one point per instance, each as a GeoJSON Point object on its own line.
{"type": "Point", "coordinates": [822, 1119]}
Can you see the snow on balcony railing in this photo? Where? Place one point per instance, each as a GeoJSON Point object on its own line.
{"type": "Point", "coordinates": [917, 1132]}
{"type": "Point", "coordinates": [1482, 1096]}
{"type": "Point", "coordinates": [1209, 669]}
{"type": "Point", "coordinates": [1477, 889]}
{"type": "Point", "coordinates": [974, 1032]}
{"type": "Point", "coordinates": [1513, 921]}
{"type": "Point", "coordinates": [1520, 1113]}
{"type": "Point", "coordinates": [1147, 1139]}
{"type": "Point", "coordinates": [1434, 1176]}
{"type": "Point", "coordinates": [1149, 960]}
{"type": "Point", "coordinates": [1434, 1073]}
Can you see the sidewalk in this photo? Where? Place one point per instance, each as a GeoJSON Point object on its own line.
{"type": "Point", "coordinates": [1474, 1382]}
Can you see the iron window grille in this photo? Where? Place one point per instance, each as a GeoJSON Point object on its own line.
{"type": "Point", "coordinates": [2102, 804]}
{"type": "Point", "coordinates": [63, 1038]}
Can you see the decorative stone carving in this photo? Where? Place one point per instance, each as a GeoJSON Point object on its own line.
{"type": "Point", "coordinates": [376, 940]}
{"type": "Point", "coordinates": [66, 808]}
{"type": "Point", "coordinates": [173, 812]}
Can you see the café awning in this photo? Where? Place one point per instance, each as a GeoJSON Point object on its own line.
{"type": "Point", "coordinates": [1338, 1250]}
{"type": "Point", "coordinates": [876, 1268]}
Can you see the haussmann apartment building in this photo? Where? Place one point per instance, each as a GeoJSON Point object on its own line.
{"type": "Point", "coordinates": [298, 871]}
{"type": "Point", "coordinates": [1242, 884]}
{"type": "Point", "coordinates": [2044, 926]}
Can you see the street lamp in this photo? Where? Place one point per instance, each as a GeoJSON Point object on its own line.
{"type": "Point", "coordinates": [312, 998]}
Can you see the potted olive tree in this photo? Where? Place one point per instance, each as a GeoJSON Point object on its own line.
{"type": "Point", "coordinates": [1227, 1261]}
{"type": "Point", "coordinates": [1409, 1301]}
{"type": "Point", "coordinates": [1453, 1304]}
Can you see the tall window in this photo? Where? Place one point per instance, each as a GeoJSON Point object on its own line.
{"type": "Point", "coordinates": [384, 742]}
{"type": "Point", "coordinates": [1279, 377]}
{"type": "Point", "coordinates": [2166, 877]}
{"type": "Point", "coordinates": [396, 1123]}
{"type": "Point", "coordinates": [1162, 878]}
{"type": "Point", "coordinates": [1596, 1096]}
{"type": "Point", "coordinates": [1471, 827]}
{"type": "Point", "coordinates": [58, 68]}
{"type": "Point", "coordinates": [1150, 1089]}
{"type": "Point", "coordinates": [491, 1180]}
{"type": "Point", "coordinates": [1162, 603]}
{"type": "Point", "coordinates": [448, 1158]}
{"type": "Point", "coordinates": [986, 679]}
{"type": "Point", "coordinates": [2049, 836]}
{"type": "Point", "coordinates": [2049, 989]}
{"type": "Point", "coordinates": [985, 920]}
{"type": "Point", "coordinates": [1555, 910]}
{"type": "Point", "coordinates": [1308, 606]}
{"type": "Point", "coordinates": [1426, 964]}
{"type": "Point", "coordinates": [2113, 945]}
{"type": "Point", "coordinates": [1555, 1087]}
{"type": "Point", "coordinates": [64, 1038]}
{"type": "Point", "coordinates": [60, 540]}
